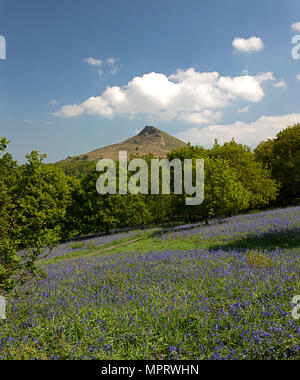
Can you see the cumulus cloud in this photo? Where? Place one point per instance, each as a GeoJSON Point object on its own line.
{"type": "Point", "coordinates": [196, 97]}
{"type": "Point", "coordinates": [298, 77]}
{"type": "Point", "coordinates": [204, 117]}
{"type": "Point", "coordinates": [246, 133]}
{"type": "Point", "coordinates": [248, 45]}
{"type": "Point", "coordinates": [93, 62]}
{"type": "Point", "coordinates": [280, 84]}
{"type": "Point", "coordinates": [109, 64]}
{"type": "Point", "coordinates": [71, 110]}
{"type": "Point", "coordinates": [296, 26]}
{"type": "Point", "coordinates": [243, 109]}
{"type": "Point", "coordinates": [93, 105]}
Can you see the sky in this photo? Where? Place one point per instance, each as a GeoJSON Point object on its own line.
{"type": "Point", "coordinates": [79, 75]}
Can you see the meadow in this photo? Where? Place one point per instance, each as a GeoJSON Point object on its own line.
{"type": "Point", "coordinates": [222, 291]}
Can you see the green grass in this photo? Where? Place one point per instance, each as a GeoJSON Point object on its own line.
{"type": "Point", "coordinates": [93, 250]}
{"type": "Point", "coordinates": [77, 245]}
{"type": "Point", "coordinates": [150, 243]}
{"type": "Point", "coordinates": [153, 243]}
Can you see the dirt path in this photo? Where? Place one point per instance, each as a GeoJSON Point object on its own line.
{"type": "Point", "coordinates": [115, 246]}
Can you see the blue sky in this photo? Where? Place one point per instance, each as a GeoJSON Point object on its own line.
{"type": "Point", "coordinates": [84, 74]}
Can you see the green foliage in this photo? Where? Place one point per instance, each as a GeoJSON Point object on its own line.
{"type": "Point", "coordinates": [224, 194]}
{"type": "Point", "coordinates": [77, 245]}
{"type": "Point", "coordinates": [42, 198]}
{"type": "Point", "coordinates": [33, 200]}
{"type": "Point", "coordinates": [90, 212]}
{"type": "Point", "coordinates": [251, 174]}
{"type": "Point", "coordinates": [9, 261]}
{"type": "Point", "coordinates": [258, 260]}
{"type": "Point", "coordinates": [282, 156]}
{"type": "Point", "coordinates": [234, 180]}
{"type": "Point", "coordinates": [75, 167]}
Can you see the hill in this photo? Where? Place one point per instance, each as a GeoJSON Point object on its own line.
{"type": "Point", "coordinates": [149, 140]}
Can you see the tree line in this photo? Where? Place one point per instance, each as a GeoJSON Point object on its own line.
{"type": "Point", "coordinates": [41, 204]}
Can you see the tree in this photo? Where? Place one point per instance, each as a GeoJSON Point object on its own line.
{"type": "Point", "coordinates": [33, 201]}
{"type": "Point", "coordinates": [236, 173]}
{"type": "Point", "coordinates": [251, 174]}
{"type": "Point", "coordinates": [43, 194]}
{"type": "Point", "coordinates": [91, 212]}
{"type": "Point", "coordinates": [9, 261]}
{"type": "Point", "coordinates": [281, 156]}
{"type": "Point", "coordinates": [224, 195]}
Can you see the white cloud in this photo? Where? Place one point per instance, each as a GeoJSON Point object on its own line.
{"type": "Point", "coordinates": [93, 62]}
{"type": "Point", "coordinates": [30, 122]}
{"type": "Point", "coordinates": [114, 70]}
{"type": "Point", "coordinates": [93, 105]}
{"type": "Point", "coordinates": [280, 84]}
{"type": "Point", "coordinates": [53, 102]}
{"type": "Point", "coordinates": [248, 45]}
{"type": "Point", "coordinates": [205, 117]}
{"type": "Point", "coordinates": [112, 62]}
{"type": "Point", "coordinates": [245, 72]}
{"type": "Point", "coordinates": [243, 109]}
{"type": "Point", "coordinates": [196, 97]}
{"type": "Point", "coordinates": [137, 131]}
{"type": "Point", "coordinates": [246, 87]}
{"type": "Point", "coordinates": [109, 63]}
{"type": "Point", "coordinates": [71, 110]}
{"type": "Point", "coordinates": [97, 105]}
{"type": "Point", "coordinates": [246, 133]}
{"type": "Point", "coordinates": [298, 77]}
{"type": "Point", "coordinates": [296, 26]}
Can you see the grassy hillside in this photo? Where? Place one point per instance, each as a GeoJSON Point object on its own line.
{"type": "Point", "coordinates": [149, 140]}
{"type": "Point", "coordinates": [77, 166]}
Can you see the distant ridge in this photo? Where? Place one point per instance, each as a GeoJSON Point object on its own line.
{"type": "Point", "coordinates": [149, 140]}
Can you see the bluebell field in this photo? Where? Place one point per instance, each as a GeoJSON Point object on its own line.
{"type": "Point", "coordinates": [228, 301]}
